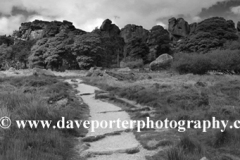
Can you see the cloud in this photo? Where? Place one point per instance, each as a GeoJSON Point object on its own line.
{"type": "Point", "coordinates": [162, 24]}
{"type": "Point", "coordinates": [9, 24]}
{"type": "Point", "coordinates": [228, 9]}
{"type": "Point", "coordinates": [236, 10]}
{"type": "Point", "coordinates": [86, 14]}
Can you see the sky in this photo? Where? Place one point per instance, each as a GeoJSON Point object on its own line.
{"type": "Point", "coordinates": [89, 14]}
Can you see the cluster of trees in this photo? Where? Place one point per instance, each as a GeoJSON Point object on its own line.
{"type": "Point", "coordinates": [14, 54]}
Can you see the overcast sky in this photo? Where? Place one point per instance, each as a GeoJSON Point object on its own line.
{"type": "Point", "coordinates": [88, 14]}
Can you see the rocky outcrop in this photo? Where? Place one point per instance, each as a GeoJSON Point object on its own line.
{"type": "Point", "coordinates": [59, 45]}
{"type": "Point", "coordinates": [135, 38]}
{"type": "Point", "coordinates": [40, 29]}
{"type": "Point", "coordinates": [53, 53]}
{"type": "Point", "coordinates": [143, 44]}
{"type": "Point", "coordinates": [42, 72]}
{"type": "Point", "coordinates": [238, 26]}
{"type": "Point", "coordinates": [112, 43]}
{"type": "Point", "coordinates": [193, 28]}
{"type": "Point", "coordinates": [158, 42]}
{"type": "Point", "coordinates": [162, 62]}
{"type": "Point", "coordinates": [131, 31]}
{"type": "Point", "coordinates": [68, 50]}
{"type": "Point", "coordinates": [178, 28]}
{"type": "Point", "coordinates": [107, 26]}
{"type": "Point", "coordinates": [208, 35]}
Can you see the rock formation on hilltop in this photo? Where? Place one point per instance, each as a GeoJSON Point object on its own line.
{"type": "Point", "coordinates": [209, 34]}
{"type": "Point", "coordinates": [158, 42]}
{"type": "Point", "coordinates": [107, 26]}
{"type": "Point", "coordinates": [131, 31]}
{"type": "Point", "coordinates": [178, 28]}
{"type": "Point", "coordinates": [192, 28]}
{"type": "Point", "coordinates": [70, 50]}
{"type": "Point", "coordinates": [40, 29]}
{"type": "Point", "coordinates": [59, 45]}
{"type": "Point", "coordinates": [135, 38]}
{"type": "Point", "coordinates": [238, 26]}
{"type": "Point", "coordinates": [112, 42]}
{"type": "Point", "coordinates": [143, 44]}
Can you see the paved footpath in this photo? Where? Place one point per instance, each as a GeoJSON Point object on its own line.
{"type": "Point", "coordinates": [112, 146]}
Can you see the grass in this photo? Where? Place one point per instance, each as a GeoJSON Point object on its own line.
{"type": "Point", "coordinates": [184, 97]}
{"type": "Point", "coordinates": [27, 98]}
{"type": "Point", "coordinates": [132, 63]}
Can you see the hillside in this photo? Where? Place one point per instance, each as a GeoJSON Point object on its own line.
{"type": "Point", "coordinates": [59, 45]}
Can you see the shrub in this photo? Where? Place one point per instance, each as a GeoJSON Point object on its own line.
{"type": "Point", "coordinates": [219, 60]}
{"type": "Point", "coordinates": [225, 60]}
{"type": "Point", "coordinates": [132, 63]}
{"type": "Point", "coordinates": [232, 45]}
{"type": "Point", "coordinates": [191, 63]}
{"type": "Point", "coordinates": [187, 149]}
{"type": "Point", "coordinates": [39, 143]}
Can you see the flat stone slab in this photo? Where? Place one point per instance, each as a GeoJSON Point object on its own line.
{"type": "Point", "coordinates": [114, 143]}
{"type": "Point", "coordinates": [119, 156]}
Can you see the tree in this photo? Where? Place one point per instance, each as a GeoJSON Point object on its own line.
{"type": "Point", "coordinates": [22, 50]}
{"type": "Point", "coordinates": [54, 53]}
{"type": "Point", "coordinates": [5, 56]}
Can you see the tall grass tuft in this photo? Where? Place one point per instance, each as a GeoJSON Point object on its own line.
{"type": "Point", "coordinates": [40, 143]}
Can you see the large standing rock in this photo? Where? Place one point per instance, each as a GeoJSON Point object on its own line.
{"type": "Point", "coordinates": [238, 26]}
{"type": "Point", "coordinates": [193, 28]}
{"type": "Point", "coordinates": [42, 72]}
{"type": "Point", "coordinates": [135, 38]}
{"type": "Point", "coordinates": [209, 34]}
{"type": "Point", "coordinates": [107, 26]}
{"type": "Point", "coordinates": [131, 31]}
{"type": "Point", "coordinates": [39, 29]}
{"type": "Point", "coordinates": [178, 28]}
{"type": "Point", "coordinates": [158, 42]}
{"type": "Point", "coordinates": [112, 42]}
{"type": "Point", "coordinates": [162, 62]}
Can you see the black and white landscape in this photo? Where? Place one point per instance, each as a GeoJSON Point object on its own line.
{"type": "Point", "coordinates": [109, 60]}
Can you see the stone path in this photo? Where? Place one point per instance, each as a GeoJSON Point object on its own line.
{"type": "Point", "coordinates": [121, 146]}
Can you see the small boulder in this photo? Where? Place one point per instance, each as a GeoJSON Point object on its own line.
{"type": "Point", "coordinates": [102, 95]}
{"type": "Point", "coordinates": [2, 75]}
{"type": "Point", "coordinates": [42, 72]}
{"type": "Point", "coordinates": [200, 84]}
{"type": "Point", "coordinates": [126, 69]}
{"type": "Point", "coordinates": [62, 102]}
{"type": "Point", "coordinates": [95, 72]}
{"type": "Point", "coordinates": [204, 158]}
{"type": "Point", "coordinates": [11, 69]}
{"type": "Point", "coordinates": [162, 62]}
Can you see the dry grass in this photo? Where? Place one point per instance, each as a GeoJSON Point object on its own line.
{"type": "Point", "coordinates": [27, 98]}
{"type": "Point", "coordinates": [184, 97]}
